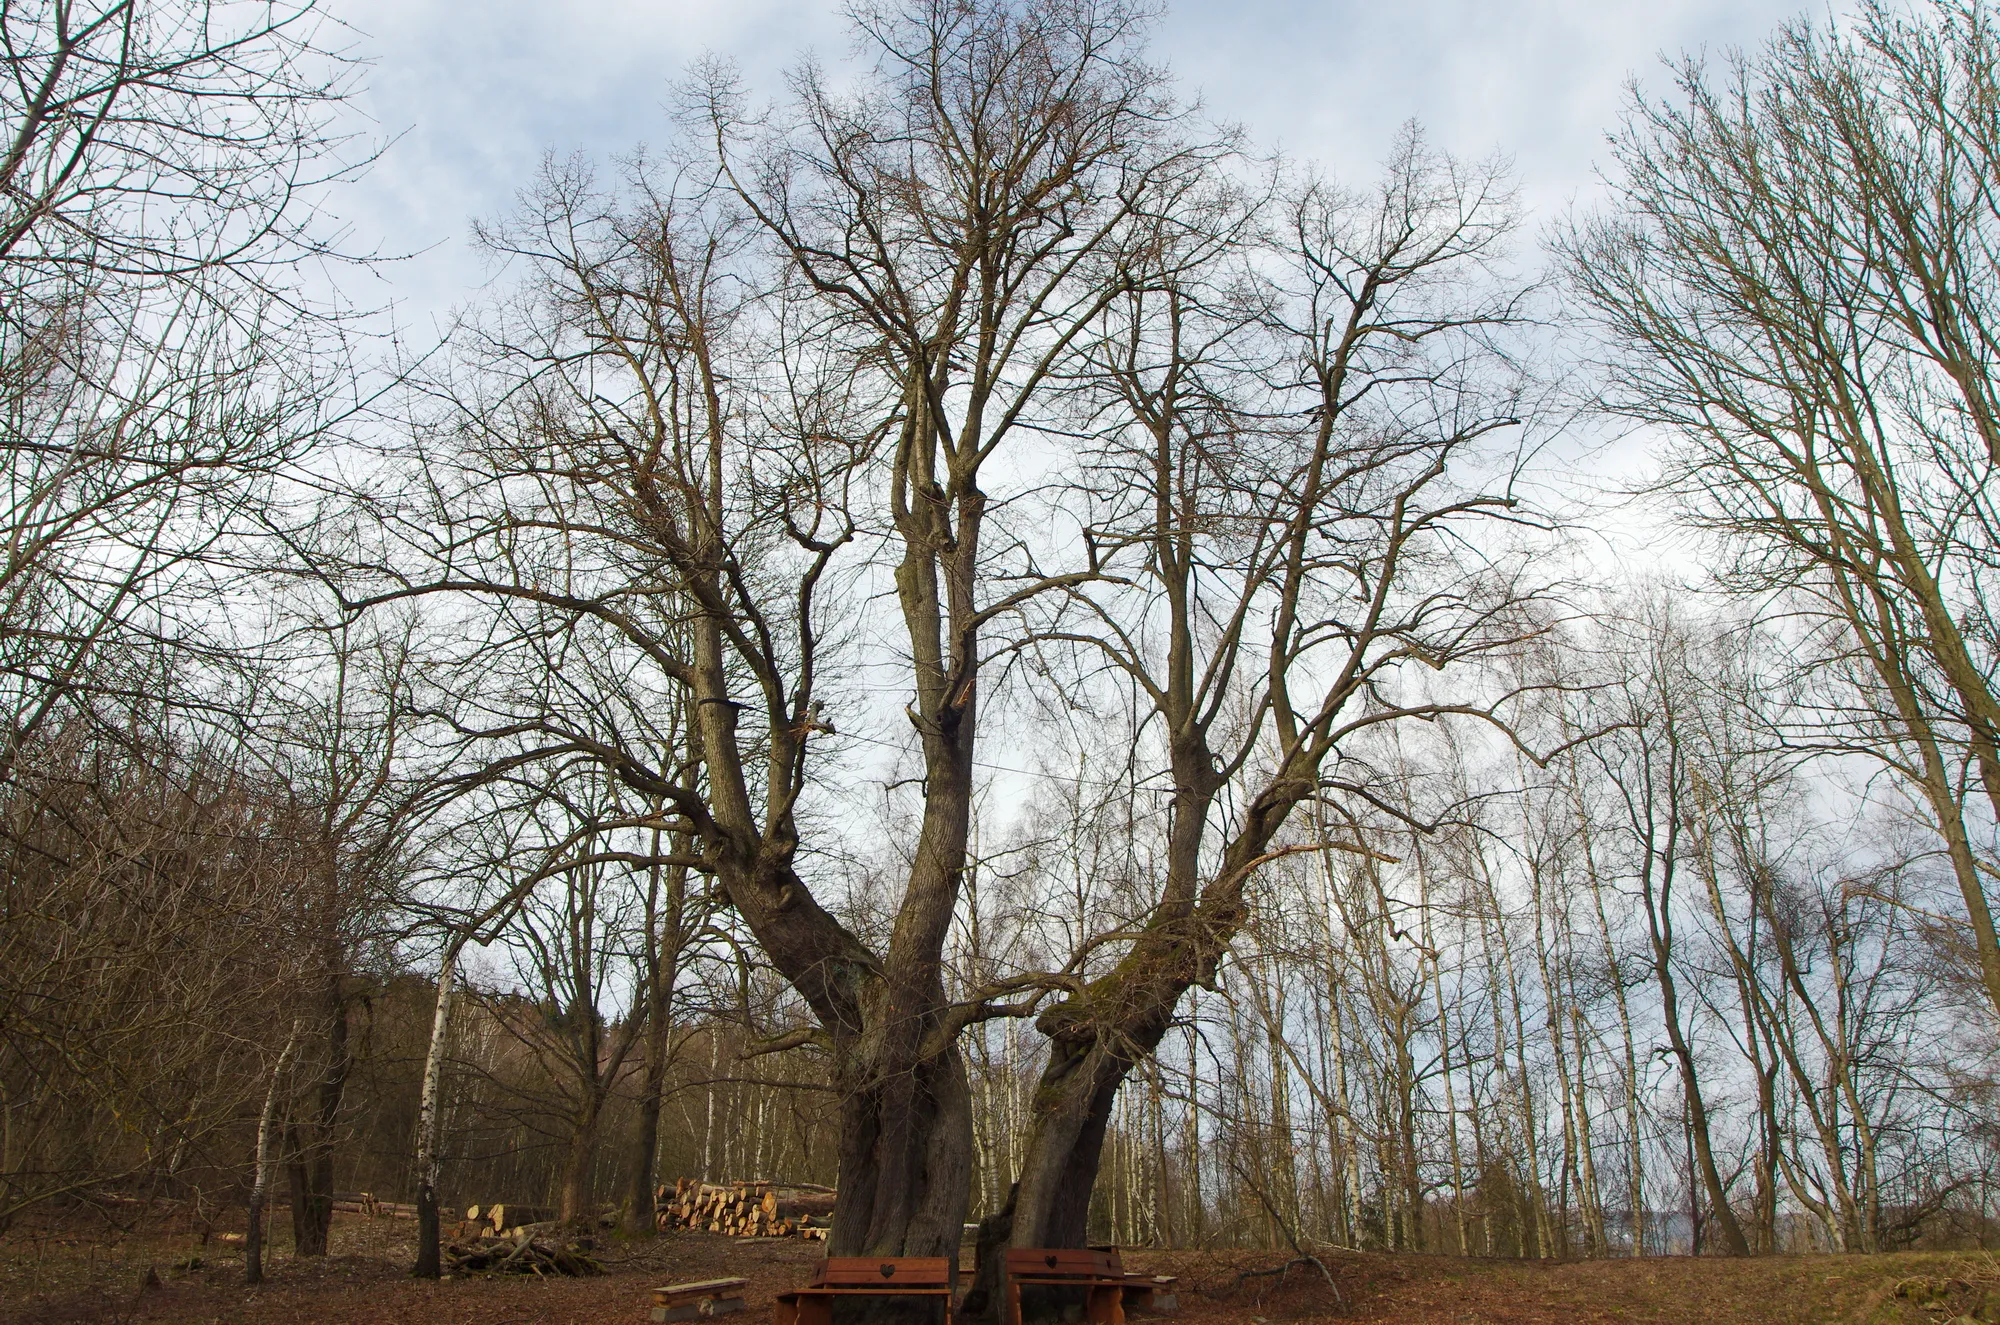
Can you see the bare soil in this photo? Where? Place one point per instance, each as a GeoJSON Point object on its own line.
{"type": "Point", "coordinates": [62, 1274]}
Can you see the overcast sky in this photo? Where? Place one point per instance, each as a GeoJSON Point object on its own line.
{"type": "Point", "coordinates": [478, 91]}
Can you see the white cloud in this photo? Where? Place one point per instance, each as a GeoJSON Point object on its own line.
{"type": "Point", "coordinates": [479, 91]}
{"type": "Point", "coordinates": [1539, 79]}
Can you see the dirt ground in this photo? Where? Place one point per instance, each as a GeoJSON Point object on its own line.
{"type": "Point", "coordinates": [55, 1275]}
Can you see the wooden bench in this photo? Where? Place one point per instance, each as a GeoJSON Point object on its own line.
{"type": "Point", "coordinates": [841, 1278]}
{"type": "Point", "coordinates": [699, 1300]}
{"type": "Point", "coordinates": [1151, 1293]}
{"type": "Point", "coordinates": [1098, 1275]}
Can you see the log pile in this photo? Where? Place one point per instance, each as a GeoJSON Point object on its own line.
{"type": "Point", "coordinates": [749, 1209]}
{"type": "Point", "coordinates": [532, 1250]}
{"type": "Point", "coordinates": [502, 1220]}
{"type": "Point", "coordinates": [364, 1203]}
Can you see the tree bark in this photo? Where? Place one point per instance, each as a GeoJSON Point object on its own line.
{"type": "Point", "coordinates": [313, 1153]}
{"type": "Point", "coordinates": [430, 1123]}
{"type": "Point", "coordinates": [267, 1126]}
{"type": "Point", "coordinates": [580, 1158]}
{"type": "Point", "coordinates": [1096, 1038]}
{"type": "Point", "coordinates": [641, 1192]}
{"type": "Point", "coordinates": [1701, 1150]}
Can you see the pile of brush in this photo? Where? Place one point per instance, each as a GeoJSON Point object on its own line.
{"type": "Point", "coordinates": [529, 1249]}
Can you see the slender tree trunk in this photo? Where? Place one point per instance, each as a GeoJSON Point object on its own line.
{"type": "Point", "coordinates": [1701, 1151]}
{"type": "Point", "coordinates": [1592, 1195]}
{"type": "Point", "coordinates": [1347, 1152]}
{"type": "Point", "coordinates": [1197, 1220]}
{"type": "Point", "coordinates": [1407, 1141]}
{"type": "Point", "coordinates": [1566, 1102]}
{"type": "Point", "coordinates": [260, 1186]}
{"type": "Point", "coordinates": [1284, 1159]}
{"type": "Point", "coordinates": [1635, 1172]}
{"type": "Point", "coordinates": [1350, 1184]}
{"type": "Point", "coordinates": [430, 1122]}
{"type": "Point", "coordinates": [1537, 1211]}
{"type": "Point", "coordinates": [1751, 1006]}
{"type": "Point", "coordinates": [1164, 1224]}
{"type": "Point", "coordinates": [312, 1166]}
{"type": "Point", "coordinates": [666, 933]}
{"type": "Point", "coordinates": [641, 1191]}
{"type": "Point", "coordinates": [708, 1173]}
{"type": "Point", "coordinates": [1444, 1052]}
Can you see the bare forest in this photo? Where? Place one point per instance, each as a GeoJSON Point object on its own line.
{"type": "Point", "coordinates": [957, 633]}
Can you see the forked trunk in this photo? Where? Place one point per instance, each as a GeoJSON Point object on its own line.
{"type": "Point", "coordinates": [1098, 1036]}
{"type": "Point", "coordinates": [1094, 1043]}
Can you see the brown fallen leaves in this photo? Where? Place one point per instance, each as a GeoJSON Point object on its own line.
{"type": "Point", "coordinates": [63, 1277]}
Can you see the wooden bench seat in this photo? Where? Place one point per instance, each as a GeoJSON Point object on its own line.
{"type": "Point", "coordinates": [700, 1300]}
{"type": "Point", "coordinates": [1151, 1293]}
{"type": "Point", "coordinates": [1098, 1275]}
{"type": "Point", "coordinates": [847, 1277]}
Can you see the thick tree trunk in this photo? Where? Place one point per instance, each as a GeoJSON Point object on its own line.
{"type": "Point", "coordinates": [299, 1183]}
{"type": "Point", "coordinates": [1097, 1037]}
{"type": "Point", "coordinates": [1089, 1059]}
{"type": "Point", "coordinates": [905, 1117]}
{"type": "Point", "coordinates": [581, 1159]}
{"type": "Point", "coordinates": [1049, 1206]}
{"type": "Point", "coordinates": [906, 1105]}
{"type": "Point", "coordinates": [905, 1157]}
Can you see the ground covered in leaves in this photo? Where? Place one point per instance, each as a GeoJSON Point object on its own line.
{"type": "Point", "coordinates": [75, 1272]}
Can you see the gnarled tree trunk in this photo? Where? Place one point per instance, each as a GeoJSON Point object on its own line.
{"type": "Point", "coordinates": [1098, 1037]}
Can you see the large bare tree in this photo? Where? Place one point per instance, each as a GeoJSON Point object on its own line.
{"type": "Point", "coordinates": [823, 345]}
{"type": "Point", "coordinates": [1288, 472]}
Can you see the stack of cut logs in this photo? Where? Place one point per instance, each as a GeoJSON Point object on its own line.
{"type": "Point", "coordinates": [753, 1209]}
{"type": "Point", "coordinates": [364, 1203]}
{"type": "Point", "coordinates": [502, 1220]}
